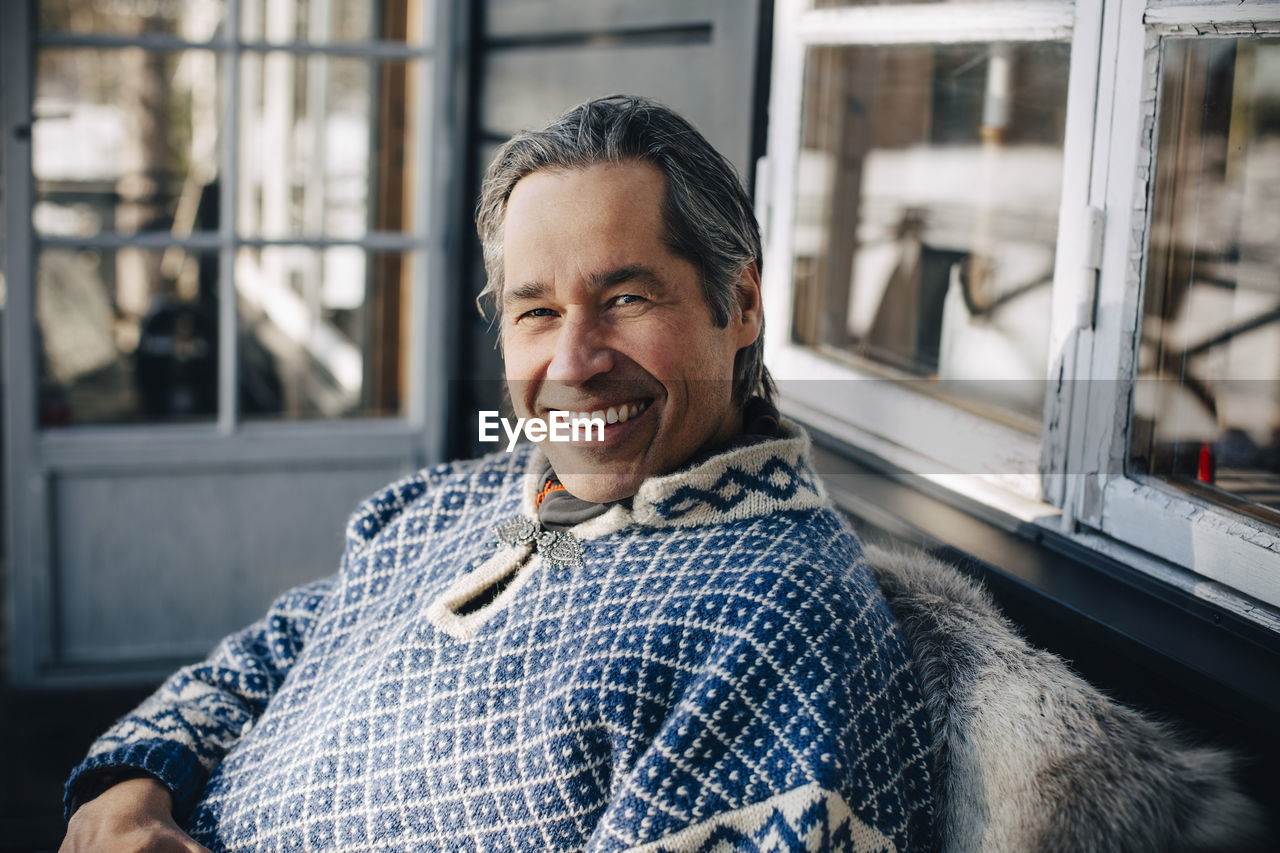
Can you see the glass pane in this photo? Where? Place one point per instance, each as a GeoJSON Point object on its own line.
{"type": "Point", "coordinates": [321, 21]}
{"type": "Point", "coordinates": [125, 140]}
{"type": "Point", "coordinates": [926, 214]}
{"type": "Point", "coordinates": [197, 20]}
{"type": "Point", "coordinates": [126, 336]}
{"type": "Point", "coordinates": [322, 332]}
{"type": "Point", "coordinates": [1207, 403]}
{"type": "Point", "coordinates": [326, 146]}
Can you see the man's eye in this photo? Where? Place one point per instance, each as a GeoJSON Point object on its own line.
{"type": "Point", "coordinates": [537, 313]}
{"type": "Point", "coordinates": [628, 299]}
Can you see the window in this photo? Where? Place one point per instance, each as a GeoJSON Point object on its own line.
{"type": "Point", "coordinates": [223, 251]}
{"type": "Point", "coordinates": [170, 142]}
{"type": "Point", "coordinates": [1034, 242]}
{"type": "Point", "coordinates": [930, 181]}
{"type": "Point", "coordinates": [1206, 411]}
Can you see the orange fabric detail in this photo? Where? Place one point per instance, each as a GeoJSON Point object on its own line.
{"type": "Point", "coordinates": [551, 486]}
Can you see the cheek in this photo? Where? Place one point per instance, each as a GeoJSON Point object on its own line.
{"type": "Point", "coordinates": [521, 387]}
{"type": "Point", "coordinates": [705, 355]}
{"type": "Point", "coordinates": [519, 358]}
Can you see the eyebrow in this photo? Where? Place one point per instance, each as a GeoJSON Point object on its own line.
{"type": "Point", "coordinates": [534, 290]}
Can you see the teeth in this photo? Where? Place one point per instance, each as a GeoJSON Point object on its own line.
{"type": "Point", "coordinates": [611, 415]}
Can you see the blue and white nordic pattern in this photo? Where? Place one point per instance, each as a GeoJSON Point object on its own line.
{"type": "Point", "coordinates": [722, 669]}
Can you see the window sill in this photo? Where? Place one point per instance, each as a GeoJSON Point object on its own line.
{"type": "Point", "coordinates": [1142, 639]}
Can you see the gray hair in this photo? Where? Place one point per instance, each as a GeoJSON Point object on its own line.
{"type": "Point", "coordinates": [707, 216]}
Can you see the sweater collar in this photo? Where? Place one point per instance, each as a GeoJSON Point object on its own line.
{"type": "Point", "coordinates": [742, 481]}
{"type": "Point", "coordinates": [560, 510]}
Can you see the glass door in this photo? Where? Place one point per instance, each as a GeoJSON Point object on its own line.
{"type": "Point", "coordinates": [222, 228]}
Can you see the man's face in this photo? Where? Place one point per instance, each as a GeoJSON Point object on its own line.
{"type": "Point", "coordinates": [599, 315]}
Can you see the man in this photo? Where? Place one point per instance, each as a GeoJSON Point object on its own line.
{"type": "Point", "coordinates": [663, 639]}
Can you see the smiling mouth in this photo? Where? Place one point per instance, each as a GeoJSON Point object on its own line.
{"type": "Point", "coordinates": [620, 413]}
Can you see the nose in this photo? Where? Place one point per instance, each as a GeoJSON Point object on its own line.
{"type": "Point", "coordinates": [581, 352]}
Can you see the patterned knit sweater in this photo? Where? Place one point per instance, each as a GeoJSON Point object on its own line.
{"type": "Point", "coordinates": [712, 667]}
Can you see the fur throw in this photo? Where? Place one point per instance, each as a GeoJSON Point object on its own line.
{"type": "Point", "coordinates": [1028, 756]}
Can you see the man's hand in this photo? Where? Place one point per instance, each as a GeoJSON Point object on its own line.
{"type": "Point", "coordinates": [132, 817]}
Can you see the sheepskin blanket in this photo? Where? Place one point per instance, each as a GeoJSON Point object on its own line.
{"type": "Point", "coordinates": [1028, 756]}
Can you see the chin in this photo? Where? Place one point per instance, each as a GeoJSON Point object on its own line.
{"type": "Point", "coordinates": [601, 488]}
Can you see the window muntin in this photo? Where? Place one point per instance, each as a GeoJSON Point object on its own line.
{"type": "Point", "coordinates": [928, 188]}
{"type": "Point", "coordinates": [1206, 404]}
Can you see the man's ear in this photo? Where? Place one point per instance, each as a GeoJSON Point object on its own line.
{"type": "Point", "coordinates": [750, 317]}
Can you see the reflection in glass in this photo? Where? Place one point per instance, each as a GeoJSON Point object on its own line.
{"type": "Point", "coordinates": [126, 336]}
{"type": "Point", "coordinates": [321, 332]}
{"type": "Point", "coordinates": [1207, 403]}
{"type": "Point", "coordinates": [326, 146]}
{"type": "Point", "coordinates": [195, 20]}
{"type": "Point", "coordinates": [124, 140]}
{"type": "Point", "coordinates": [325, 21]}
{"type": "Point", "coordinates": [926, 212]}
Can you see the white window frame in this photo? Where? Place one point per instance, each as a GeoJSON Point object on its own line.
{"type": "Point", "coordinates": [1240, 552]}
{"type": "Point", "coordinates": [988, 461]}
{"type": "Point", "coordinates": [1072, 477]}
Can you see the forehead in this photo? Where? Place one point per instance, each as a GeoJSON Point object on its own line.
{"type": "Point", "coordinates": [598, 182]}
{"type": "Point", "coordinates": [558, 212]}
